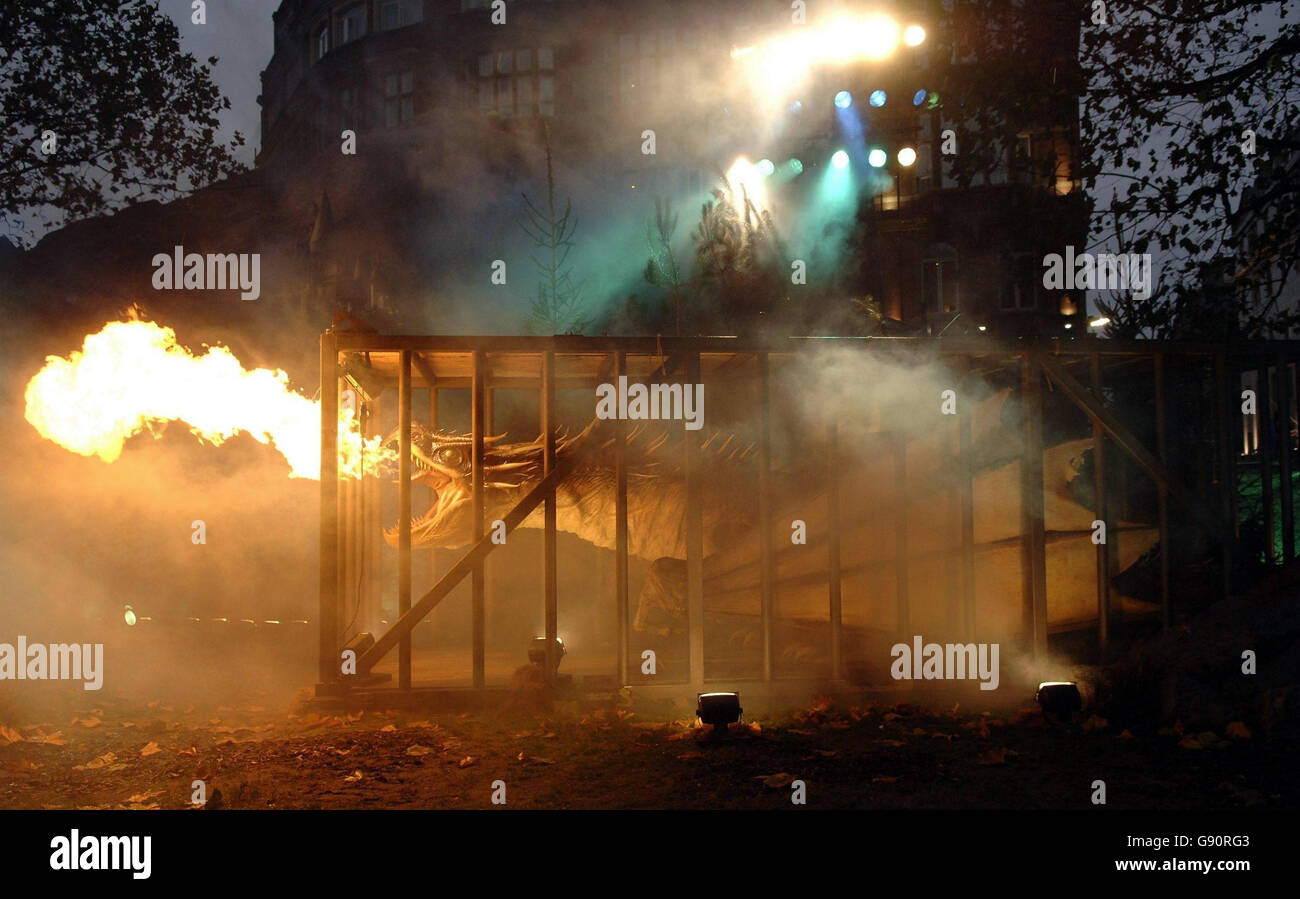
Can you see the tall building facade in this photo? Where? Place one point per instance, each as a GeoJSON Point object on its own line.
{"type": "Point", "coordinates": [955, 189]}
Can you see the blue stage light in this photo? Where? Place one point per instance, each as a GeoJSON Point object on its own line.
{"type": "Point", "coordinates": [843, 99]}
{"type": "Point", "coordinates": [877, 98]}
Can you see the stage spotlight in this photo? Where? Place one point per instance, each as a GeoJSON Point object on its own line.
{"type": "Point", "coordinates": [906, 157]}
{"type": "Point", "coordinates": [877, 158]}
{"type": "Point", "coordinates": [765, 167]}
{"type": "Point", "coordinates": [840, 160]}
{"type": "Point", "coordinates": [1068, 326]}
{"type": "Point", "coordinates": [919, 97]}
{"type": "Point", "coordinates": [1100, 322]}
{"type": "Point", "coordinates": [913, 35]}
{"type": "Point", "coordinates": [796, 107]}
{"type": "Point", "coordinates": [983, 327]}
{"type": "Point", "coordinates": [877, 98]}
{"type": "Point", "coordinates": [718, 710]}
{"type": "Point", "coordinates": [1060, 700]}
{"type": "Point", "coordinates": [843, 99]}
{"type": "Point", "coordinates": [129, 617]}
{"type": "Point", "coordinates": [796, 166]}
{"type": "Point", "coordinates": [745, 179]}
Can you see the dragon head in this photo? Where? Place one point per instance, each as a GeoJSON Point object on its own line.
{"type": "Point", "coordinates": [443, 461]}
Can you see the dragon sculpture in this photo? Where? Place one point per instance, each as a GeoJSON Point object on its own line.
{"type": "Point", "coordinates": [872, 506]}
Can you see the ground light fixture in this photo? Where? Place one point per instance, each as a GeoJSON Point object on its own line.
{"type": "Point", "coordinates": [537, 652]}
{"type": "Point", "coordinates": [1099, 322]}
{"type": "Point", "coordinates": [906, 157]}
{"type": "Point", "coordinates": [765, 167]}
{"type": "Point", "coordinates": [843, 100]}
{"type": "Point", "coordinates": [840, 160]}
{"type": "Point", "coordinates": [719, 710]}
{"type": "Point", "coordinates": [1059, 699]}
{"type": "Point", "coordinates": [877, 158]}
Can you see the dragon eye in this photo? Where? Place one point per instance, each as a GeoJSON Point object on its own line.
{"type": "Point", "coordinates": [449, 456]}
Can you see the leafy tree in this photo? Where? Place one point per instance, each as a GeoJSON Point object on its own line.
{"type": "Point", "coordinates": [101, 108]}
{"type": "Point", "coordinates": [1178, 89]}
{"type": "Point", "coordinates": [662, 270]}
{"type": "Point", "coordinates": [740, 258]}
{"type": "Point", "coordinates": [559, 305]}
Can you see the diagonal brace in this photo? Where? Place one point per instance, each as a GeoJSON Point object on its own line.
{"type": "Point", "coordinates": [1126, 441]}
{"type": "Point", "coordinates": [406, 623]}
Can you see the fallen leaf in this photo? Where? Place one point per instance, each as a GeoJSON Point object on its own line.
{"type": "Point", "coordinates": [97, 762]}
{"type": "Point", "coordinates": [144, 797]}
{"type": "Point", "coordinates": [354, 777]}
{"type": "Point", "coordinates": [1125, 734]}
{"type": "Point", "coordinates": [691, 755]}
{"type": "Point", "coordinates": [9, 735]}
{"type": "Point", "coordinates": [755, 728]}
{"type": "Point", "coordinates": [467, 762]}
{"type": "Point", "coordinates": [388, 729]}
{"type": "Point", "coordinates": [776, 781]}
{"type": "Point", "coordinates": [1238, 731]}
{"type": "Point", "coordinates": [149, 749]}
{"type": "Point", "coordinates": [417, 750]}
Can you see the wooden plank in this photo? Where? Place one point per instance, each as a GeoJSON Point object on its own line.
{"type": "Point", "coordinates": [550, 575]}
{"type": "Point", "coordinates": [766, 573]}
{"type": "Point", "coordinates": [1284, 457]}
{"type": "Point", "coordinates": [1224, 466]}
{"type": "Point", "coordinates": [477, 582]}
{"type": "Point", "coordinates": [694, 542]}
{"type": "Point", "coordinates": [1033, 531]}
{"type": "Point", "coordinates": [328, 601]}
{"type": "Point", "coordinates": [966, 464]}
{"type": "Point", "coordinates": [620, 530]}
{"type": "Point", "coordinates": [1101, 512]}
{"type": "Point", "coordinates": [1162, 491]}
{"type": "Point", "coordinates": [901, 561]}
{"type": "Point", "coordinates": [1263, 402]}
{"type": "Point", "coordinates": [834, 578]}
{"type": "Point", "coordinates": [404, 511]}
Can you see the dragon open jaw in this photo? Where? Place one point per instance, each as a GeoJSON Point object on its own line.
{"type": "Point", "coordinates": [443, 461]}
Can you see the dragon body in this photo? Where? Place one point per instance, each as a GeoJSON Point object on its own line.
{"type": "Point", "coordinates": [884, 490]}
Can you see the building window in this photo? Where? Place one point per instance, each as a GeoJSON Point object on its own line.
{"type": "Point", "coordinates": [517, 83]}
{"type": "Point", "coordinates": [348, 103]}
{"type": "Point", "coordinates": [645, 63]}
{"type": "Point", "coordinates": [399, 99]}
{"type": "Point", "coordinates": [1020, 284]}
{"type": "Point", "coordinates": [351, 24]}
{"type": "Point", "coordinates": [399, 13]}
{"type": "Point", "coordinates": [939, 280]}
{"type": "Point", "coordinates": [322, 41]}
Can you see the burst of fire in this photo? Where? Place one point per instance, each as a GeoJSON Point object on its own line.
{"type": "Point", "coordinates": [133, 376]}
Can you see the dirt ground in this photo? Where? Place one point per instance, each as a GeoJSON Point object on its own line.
{"type": "Point", "coordinates": [145, 755]}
